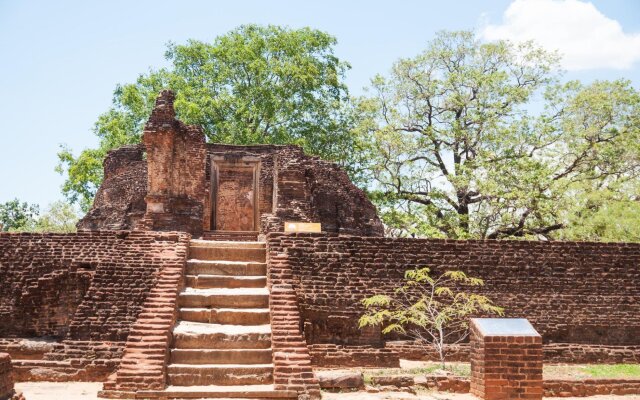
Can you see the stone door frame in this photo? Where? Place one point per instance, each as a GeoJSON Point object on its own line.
{"type": "Point", "coordinates": [245, 162]}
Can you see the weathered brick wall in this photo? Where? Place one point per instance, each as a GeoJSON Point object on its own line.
{"type": "Point", "coordinates": [553, 352]}
{"type": "Point", "coordinates": [176, 161]}
{"type": "Point", "coordinates": [86, 288]}
{"type": "Point", "coordinates": [144, 362]}
{"type": "Point", "coordinates": [584, 293]}
{"type": "Point", "coordinates": [119, 203]}
{"type": "Point", "coordinates": [171, 189]}
{"type": "Point", "coordinates": [291, 360]}
{"type": "Point", "coordinates": [309, 189]}
{"type": "Point", "coordinates": [6, 381]}
{"type": "Point", "coordinates": [591, 387]}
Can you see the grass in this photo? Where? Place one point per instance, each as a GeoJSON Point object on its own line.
{"type": "Point", "coordinates": [563, 372]}
{"type": "Point", "coordinates": [591, 371]}
{"type": "Point", "coordinates": [575, 372]}
{"type": "Point", "coordinates": [613, 370]}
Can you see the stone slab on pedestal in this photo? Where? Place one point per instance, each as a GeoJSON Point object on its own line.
{"type": "Point", "coordinates": [506, 359]}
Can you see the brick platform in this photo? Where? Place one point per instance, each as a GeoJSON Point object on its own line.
{"type": "Point", "coordinates": [506, 359]}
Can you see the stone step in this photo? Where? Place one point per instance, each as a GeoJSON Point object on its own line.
{"type": "Point", "coordinates": [217, 392]}
{"type": "Point", "coordinates": [223, 374]}
{"type": "Point", "coordinates": [226, 253]}
{"type": "Point", "coordinates": [242, 236]}
{"type": "Point", "coordinates": [223, 297]}
{"type": "Point", "coordinates": [233, 316]}
{"type": "Point", "coordinates": [215, 356]}
{"type": "Point", "coordinates": [232, 268]}
{"type": "Point", "coordinates": [227, 244]}
{"type": "Point", "coordinates": [195, 335]}
{"type": "Point", "coordinates": [204, 281]}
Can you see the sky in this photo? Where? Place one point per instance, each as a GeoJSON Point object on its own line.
{"type": "Point", "coordinates": [60, 61]}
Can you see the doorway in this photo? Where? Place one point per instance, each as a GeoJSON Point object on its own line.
{"type": "Point", "coordinates": [234, 183]}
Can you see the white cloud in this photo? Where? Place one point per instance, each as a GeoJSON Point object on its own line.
{"type": "Point", "coordinates": [585, 37]}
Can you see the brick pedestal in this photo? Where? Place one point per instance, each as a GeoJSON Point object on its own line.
{"type": "Point", "coordinates": [506, 359]}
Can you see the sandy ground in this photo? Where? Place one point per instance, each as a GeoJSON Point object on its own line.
{"type": "Point", "coordinates": [89, 391]}
{"type": "Point", "coordinates": [57, 390]}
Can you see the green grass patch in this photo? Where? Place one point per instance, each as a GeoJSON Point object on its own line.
{"type": "Point", "coordinates": [613, 371]}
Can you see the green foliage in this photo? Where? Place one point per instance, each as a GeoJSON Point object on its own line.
{"type": "Point", "coordinates": [455, 150]}
{"type": "Point", "coordinates": [256, 84]}
{"type": "Point", "coordinates": [15, 215]}
{"type": "Point", "coordinates": [605, 215]}
{"type": "Point", "coordinates": [59, 217]}
{"type": "Point", "coordinates": [429, 309]}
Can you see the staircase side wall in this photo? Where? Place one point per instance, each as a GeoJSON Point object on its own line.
{"type": "Point", "coordinates": [85, 289]}
{"type": "Point", "coordinates": [291, 359]}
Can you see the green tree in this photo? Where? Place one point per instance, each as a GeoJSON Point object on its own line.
{"type": "Point", "coordinates": [479, 140]}
{"type": "Point", "coordinates": [16, 215]}
{"type": "Point", "coordinates": [59, 217]}
{"type": "Point", "coordinates": [256, 84]}
{"type": "Point", "coordinates": [432, 310]}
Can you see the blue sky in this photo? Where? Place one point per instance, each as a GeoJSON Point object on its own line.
{"type": "Point", "coordinates": [60, 61]}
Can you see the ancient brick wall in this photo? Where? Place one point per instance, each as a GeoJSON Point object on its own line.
{"type": "Point", "coordinates": [86, 288]}
{"type": "Point", "coordinates": [119, 203]}
{"type": "Point", "coordinates": [6, 381]}
{"type": "Point", "coordinates": [176, 161]}
{"type": "Point", "coordinates": [583, 293]}
{"type": "Point", "coordinates": [309, 189]}
{"type": "Point", "coordinates": [291, 186]}
{"type": "Point", "coordinates": [291, 360]}
{"type": "Point", "coordinates": [294, 186]}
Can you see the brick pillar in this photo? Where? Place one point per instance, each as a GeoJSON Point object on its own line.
{"type": "Point", "coordinates": [176, 171]}
{"type": "Point", "coordinates": [506, 359]}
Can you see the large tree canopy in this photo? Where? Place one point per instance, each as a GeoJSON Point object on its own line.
{"type": "Point", "coordinates": [253, 85]}
{"type": "Point", "coordinates": [478, 140]}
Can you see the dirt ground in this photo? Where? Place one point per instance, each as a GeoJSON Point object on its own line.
{"type": "Point", "coordinates": [442, 396]}
{"type": "Point", "coordinates": [89, 391]}
{"type": "Point", "coordinates": [59, 390]}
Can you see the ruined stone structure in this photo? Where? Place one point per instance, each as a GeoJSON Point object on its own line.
{"type": "Point", "coordinates": [188, 185]}
{"type": "Point", "coordinates": [181, 276]}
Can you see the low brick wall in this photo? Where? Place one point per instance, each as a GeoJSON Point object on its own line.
{"type": "Point", "coordinates": [591, 387]}
{"type": "Point", "coordinates": [332, 355]}
{"type": "Point", "coordinates": [7, 391]}
{"type": "Point", "coordinates": [563, 288]}
{"type": "Point", "coordinates": [559, 353]}
{"type": "Point", "coordinates": [6, 381]}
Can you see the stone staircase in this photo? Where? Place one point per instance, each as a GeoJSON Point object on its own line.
{"type": "Point", "coordinates": [222, 340]}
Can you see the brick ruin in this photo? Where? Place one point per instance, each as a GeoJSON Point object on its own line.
{"type": "Point", "coordinates": [174, 181]}
{"type": "Point", "coordinates": [186, 236]}
{"type": "Point", "coordinates": [582, 297]}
